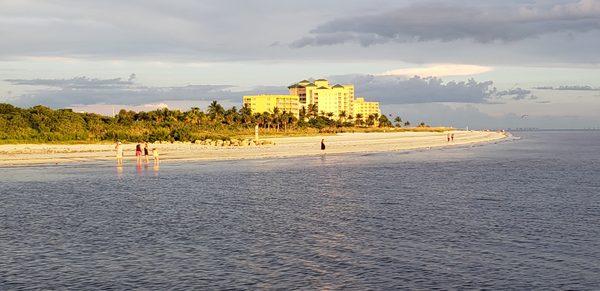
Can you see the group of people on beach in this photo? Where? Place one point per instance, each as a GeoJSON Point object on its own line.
{"type": "Point", "coordinates": [141, 154]}
{"type": "Point", "coordinates": [450, 137]}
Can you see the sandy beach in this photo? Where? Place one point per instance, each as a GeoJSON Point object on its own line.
{"type": "Point", "coordinates": [30, 154]}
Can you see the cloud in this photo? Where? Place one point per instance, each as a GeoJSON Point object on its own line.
{"type": "Point", "coordinates": [89, 91]}
{"type": "Point", "coordinates": [179, 30]}
{"type": "Point", "coordinates": [76, 83]}
{"type": "Point", "coordinates": [569, 88]}
{"type": "Point", "coordinates": [516, 94]}
{"type": "Point", "coordinates": [434, 21]}
{"type": "Point", "coordinates": [472, 116]}
{"type": "Point", "coordinates": [440, 70]}
{"type": "Point", "coordinates": [83, 91]}
{"type": "Point", "coordinates": [205, 31]}
{"type": "Point", "coordinates": [402, 90]}
{"type": "Point", "coordinates": [86, 91]}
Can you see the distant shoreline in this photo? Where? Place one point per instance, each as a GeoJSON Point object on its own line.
{"type": "Point", "coordinates": [280, 147]}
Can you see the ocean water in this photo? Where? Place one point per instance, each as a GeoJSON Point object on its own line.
{"type": "Point", "coordinates": [518, 214]}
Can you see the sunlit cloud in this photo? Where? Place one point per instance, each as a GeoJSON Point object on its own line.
{"type": "Point", "coordinates": [439, 70]}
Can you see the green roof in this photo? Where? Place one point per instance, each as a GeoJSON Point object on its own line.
{"type": "Point", "coordinates": [304, 81]}
{"type": "Point", "coordinates": [310, 85]}
{"type": "Point", "coordinates": [338, 86]}
{"type": "Point", "coordinates": [322, 87]}
{"type": "Point", "coordinates": [321, 80]}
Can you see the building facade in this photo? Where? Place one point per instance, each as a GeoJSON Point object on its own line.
{"type": "Point", "coordinates": [268, 103]}
{"type": "Point", "coordinates": [336, 101]}
{"type": "Point", "coordinates": [365, 108]}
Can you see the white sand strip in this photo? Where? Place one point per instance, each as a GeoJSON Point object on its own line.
{"type": "Point", "coordinates": [28, 154]}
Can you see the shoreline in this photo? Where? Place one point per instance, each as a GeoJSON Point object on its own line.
{"type": "Point", "coordinates": [282, 147]}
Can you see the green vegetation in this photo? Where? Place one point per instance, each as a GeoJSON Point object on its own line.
{"type": "Point", "coordinates": [41, 124]}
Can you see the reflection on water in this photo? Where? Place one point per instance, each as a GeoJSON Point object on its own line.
{"type": "Point", "coordinates": [513, 215]}
{"type": "Point", "coordinates": [141, 169]}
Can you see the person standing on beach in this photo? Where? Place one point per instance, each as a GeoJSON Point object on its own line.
{"type": "Point", "coordinates": [155, 155]}
{"type": "Point", "coordinates": [448, 136]}
{"type": "Point", "coordinates": [452, 137]}
{"type": "Point", "coordinates": [146, 154]}
{"type": "Point", "coordinates": [119, 149]}
{"type": "Point", "coordinates": [138, 153]}
{"type": "Point", "coordinates": [322, 144]}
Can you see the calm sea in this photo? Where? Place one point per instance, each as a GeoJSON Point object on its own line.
{"type": "Point", "coordinates": [519, 214]}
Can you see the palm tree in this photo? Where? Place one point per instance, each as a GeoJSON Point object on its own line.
{"type": "Point", "coordinates": [286, 118]}
{"type": "Point", "coordinates": [230, 116]}
{"type": "Point", "coordinates": [313, 110]}
{"type": "Point", "coordinates": [329, 114]}
{"type": "Point", "coordinates": [302, 113]}
{"type": "Point", "coordinates": [384, 121]}
{"type": "Point", "coordinates": [359, 119]}
{"type": "Point", "coordinates": [215, 110]}
{"type": "Point", "coordinates": [398, 121]}
{"type": "Point", "coordinates": [246, 115]}
{"type": "Point", "coordinates": [276, 117]}
{"type": "Point", "coordinates": [191, 117]}
{"type": "Point", "coordinates": [266, 117]}
{"type": "Point", "coordinates": [407, 123]}
{"type": "Point", "coordinates": [342, 116]}
{"type": "Point", "coordinates": [371, 120]}
{"type": "Point", "coordinates": [258, 118]}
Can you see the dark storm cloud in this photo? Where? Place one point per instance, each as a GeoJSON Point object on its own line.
{"type": "Point", "coordinates": [450, 22]}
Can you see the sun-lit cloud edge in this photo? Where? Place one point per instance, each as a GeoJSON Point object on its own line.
{"type": "Point", "coordinates": [439, 70]}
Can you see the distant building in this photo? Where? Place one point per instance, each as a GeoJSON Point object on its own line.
{"type": "Point", "coordinates": [267, 103]}
{"type": "Point", "coordinates": [337, 100]}
{"type": "Point", "coordinates": [365, 108]}
{"type": "Point", "coordinates": [329, 99]}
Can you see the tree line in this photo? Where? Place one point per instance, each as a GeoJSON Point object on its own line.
{"type": "Point", "coordinates": [43, 124]}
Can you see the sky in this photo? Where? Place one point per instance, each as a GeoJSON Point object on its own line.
{"type": "Point", "coordinates": [482, 64]}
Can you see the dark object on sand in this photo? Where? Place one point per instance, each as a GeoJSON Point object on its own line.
{"type": "Point", "coordinates": [322, 144]}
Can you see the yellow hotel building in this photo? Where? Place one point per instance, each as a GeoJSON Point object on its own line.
{"type": "Point", "coordinates": [333, 99]}
{"type": "Point", "coordinates": [267, 103]}
{"type": "Point", "coordinates": [336, 99]}
{"type": "Point", "coordinates": [365, 108]}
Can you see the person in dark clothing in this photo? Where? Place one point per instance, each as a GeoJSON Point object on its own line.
{"type": "Point", "coordinates": [146, 154]}
{"type": "Point", "coordinates": [322, 144]}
